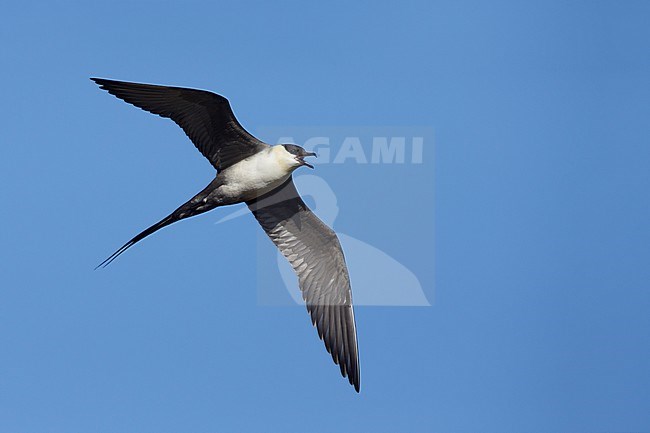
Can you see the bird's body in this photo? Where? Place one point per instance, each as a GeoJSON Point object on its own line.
{"type": "Point", "coordinates": [257, 174]}
{"type": "Point", "coordinates": [252, 172]}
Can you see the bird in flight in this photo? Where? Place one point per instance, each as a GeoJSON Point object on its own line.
{"type": "Point", "coordinates": [252, 172]}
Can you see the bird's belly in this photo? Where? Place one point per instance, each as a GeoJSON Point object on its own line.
{"type": "Point", "coordinates": [249, 188]}
{"type": "Point", "coordinates": [249, 179]}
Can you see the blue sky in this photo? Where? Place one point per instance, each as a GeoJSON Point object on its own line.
{"type": "Point", "coordinates": [528, 230]}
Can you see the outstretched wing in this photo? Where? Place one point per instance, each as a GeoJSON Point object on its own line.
{"type": "Point", "coordinates": [314, 252]}
{"type": "Point", "coordinates": [206, 118]}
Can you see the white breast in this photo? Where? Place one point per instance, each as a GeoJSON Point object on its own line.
{"type": "Point", "coordinates": [258, 174]}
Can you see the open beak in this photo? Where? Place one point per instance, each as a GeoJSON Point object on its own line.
{"type": "Point", "coordinates": [302, 159]}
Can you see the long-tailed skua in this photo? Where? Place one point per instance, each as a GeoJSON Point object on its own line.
{"type": "Point", "coordinates": [252, 172]}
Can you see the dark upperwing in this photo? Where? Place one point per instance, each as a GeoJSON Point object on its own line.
{"type": "Point", "coordinates": [206, 118]}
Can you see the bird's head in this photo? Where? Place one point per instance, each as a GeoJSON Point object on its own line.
{"type": "Point", "coordinates": [297, 155]}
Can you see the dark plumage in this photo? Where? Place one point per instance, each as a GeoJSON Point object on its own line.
{"type": "Point", "coordinates": [241, 160]}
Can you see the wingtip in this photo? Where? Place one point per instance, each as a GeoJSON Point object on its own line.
{"type": "Point", "coordinates": [355, 380]}
{"type": "Point", "coordinates": [101, 82]}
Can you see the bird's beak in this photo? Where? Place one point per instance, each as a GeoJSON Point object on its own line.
{"type": "Point", "coordinates": [302, 159]}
